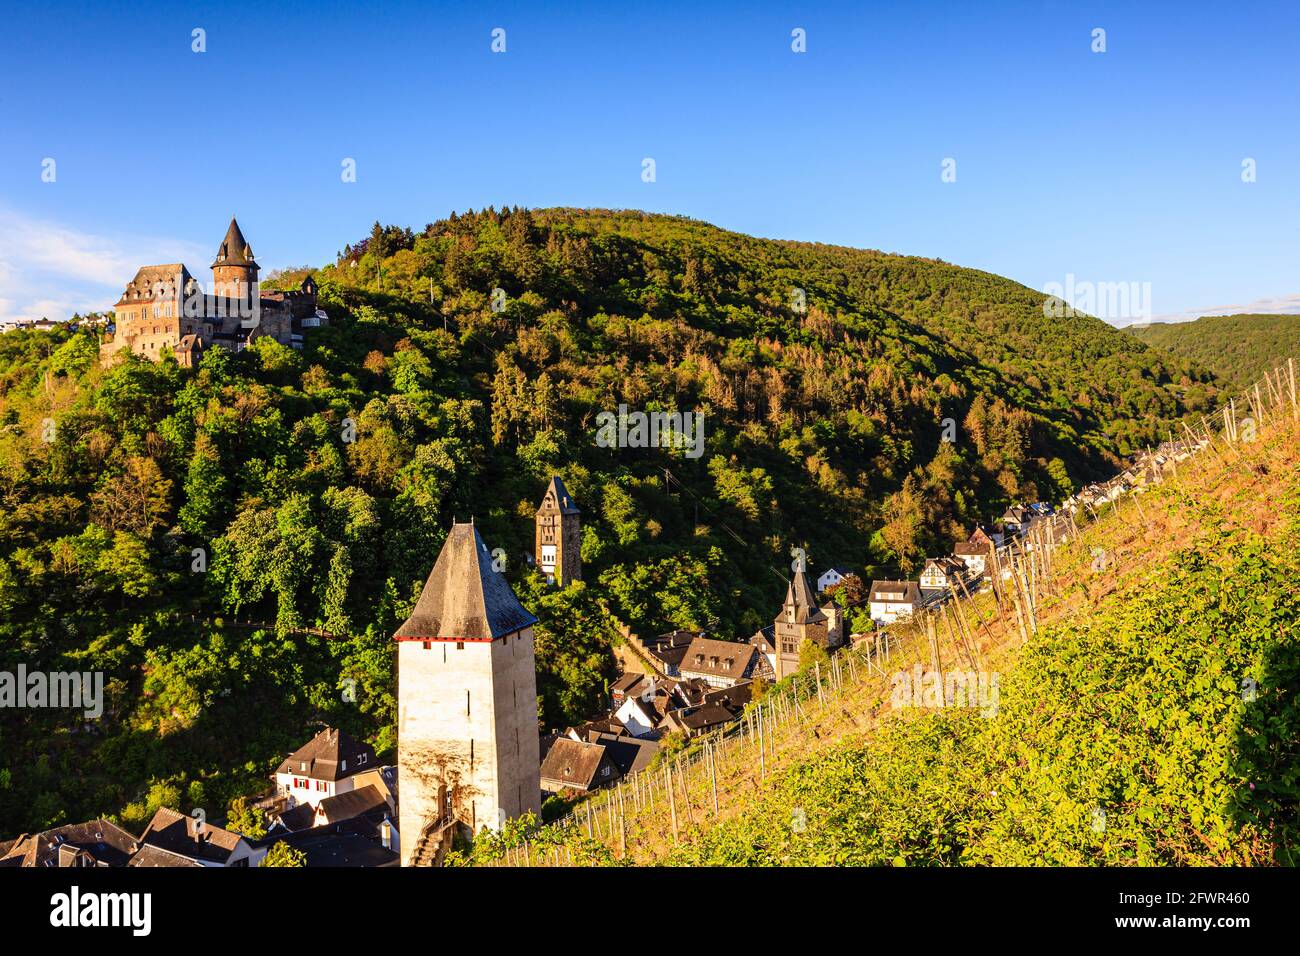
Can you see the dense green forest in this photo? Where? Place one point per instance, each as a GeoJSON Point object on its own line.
{"type": "Point", "coordinates": [189, 532]}
{"type": "Point", "coordinates": [1237, 348]}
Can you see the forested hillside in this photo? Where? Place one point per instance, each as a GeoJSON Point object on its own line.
{"type": "Point", "coordinates": [1237, 348]}
{"type": "Point", "coordinates": [187, 532]}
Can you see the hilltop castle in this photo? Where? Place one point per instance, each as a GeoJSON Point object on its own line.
{"type": "Point", "coordinates": [164, 307]}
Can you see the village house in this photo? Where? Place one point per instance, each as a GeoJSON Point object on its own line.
{"type": "Point", "coordinates": [358, 842]}
{"type": "Point", "coordinates": [198, 841]}
{"type": "Point", "coordinates": [831, 577]}
{"type": "Point", "coordinates": [630, 754]}
{"type": "Point", "coordinates": [975, 557]}
{"type": "Point", "coordinates": [890, 601]}
{"type": "Point", "coordinates": [644, 708]}
{"type": "Point", "coordinates": [98, 843]}
{"type": "Point", "coordinates": [942, 574]}
{"type": "Point", "coordinates": [577, 766]}
{"type": "Point", "coordinates": [988, 535]}
{"type": "Point", "coordinates": [164, 309]}
{"type": "Point", "coordinates": [323, 767]}
{"type": "Point", "coordinates": [1016, 520]}
{"type": "Point", "coordinates": [711, 709]}
{"type": "Point", "coordinates": [719, 663]}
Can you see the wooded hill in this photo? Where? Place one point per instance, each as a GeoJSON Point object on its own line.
{"type": "Point", "coordinates": [1237, 348]}
{"type": "Point", "coordinates": [189, 532]}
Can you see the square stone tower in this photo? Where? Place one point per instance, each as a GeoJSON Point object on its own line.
{"type": "Point", "coordinates": [559, 535]}
{"type": "Point", "coordinates": [800, 620]}
{"type": "Point", "coordinates": [467, 737]}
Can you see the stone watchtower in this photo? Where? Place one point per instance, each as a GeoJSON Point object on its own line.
{"type": "Point", "coordinates": [559, 536]}
{"type": "Point", "coordinates": [467, 737]}
{"type": "Point", "coordinates": [234, 273]}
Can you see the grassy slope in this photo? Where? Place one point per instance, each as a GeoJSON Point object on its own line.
{"type": "Point", "coordinates": [1239, 348]}
{"type": "Point", "coordinates": [1127, 702]}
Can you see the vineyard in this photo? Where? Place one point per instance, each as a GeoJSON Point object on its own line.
{"type": "Point", "coordinates": [1147, 668]}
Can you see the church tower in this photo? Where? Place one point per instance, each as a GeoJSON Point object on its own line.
{"type": "Point", "coordinates": [467, 737]}
{"type": "Point", "coordinates": [559, 536]}
{"type": "Point", "coordinates": [234, 273]}
{"type": "Point", "coordinates": [800, 619]}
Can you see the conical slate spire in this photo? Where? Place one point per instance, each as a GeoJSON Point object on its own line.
{"type": "Point", "coordinates": [800, 594]}
{"type": "Point", "coordinates": [235, 249]}
{"type": "Point", "coordinates": [464, 599]}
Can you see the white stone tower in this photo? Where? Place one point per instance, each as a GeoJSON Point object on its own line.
{"type": "Point", "coordinates": [467, 738]}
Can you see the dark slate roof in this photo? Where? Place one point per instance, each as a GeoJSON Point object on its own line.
{"type": "Point", "coordinates": [464, 599]}
{"type": "Point", "coordinates": [630, 754]}
{"type": "Point", "coordinates": [703, 717]}
{"type": "Point", "coordinates": [164, 280]}
{"type": "Point", "coordinates": [729, 659]}
{"type": "Point", "coordinates": [557, 498]}
{"type": "Point", "coordinates": [353, 803]}
{"type": "Point", "coordinates": [910, 589]}
{"type": "Point", "coordinates": [352, 843]}
{"type": "Point", "coordinates": [627, 682]}
{"type": "Point", "coordinates": [234, 248]}
{"type": "Point", "coordinates": [150, 855]}
{"type": "Point", "coordinates": [103, 840]}
{"type": "Point", "coordinates": [301, 817]}
{"type": "Point", "coordinates": [570, 763]}
{"type": "Point", "coordinates": [800, 593]}
{"type": "Point", "coordinates": [180, 834]}
{"type": "Point", "coordinates": [330, 755]}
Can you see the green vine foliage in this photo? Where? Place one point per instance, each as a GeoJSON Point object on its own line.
{"type": "Point", "coordinates": [1164, 729]}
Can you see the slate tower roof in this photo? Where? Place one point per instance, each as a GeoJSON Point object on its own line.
{"type": "Point", "coordinates": [464, 599]}
{"type": "Point", "coordinates": [557, 498]}
{"type": "Point", "coordinates": [235, 249]}
{"type": "Point", "coordinates": [800, 595]}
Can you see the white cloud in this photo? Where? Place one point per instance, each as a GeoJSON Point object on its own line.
{"type": "Point", "coordinates": [48, 270]}
{"type": "Point", "coordinates": [1269, 305]}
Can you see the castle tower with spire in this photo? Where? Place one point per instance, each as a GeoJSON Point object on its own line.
{"type": "Point", "coordinates": [467, 737]}
{"type": "Point", "coordinates": [234, 271]}
{"type": "Point", "coordinates": [559, 535]}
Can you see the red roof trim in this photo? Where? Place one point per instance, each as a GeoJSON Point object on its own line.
{"type": "Point", "coordinates": [452, 640]}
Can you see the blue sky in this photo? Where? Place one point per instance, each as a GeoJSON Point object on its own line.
{"type": "Point", "coordinates": [1122, 166]}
